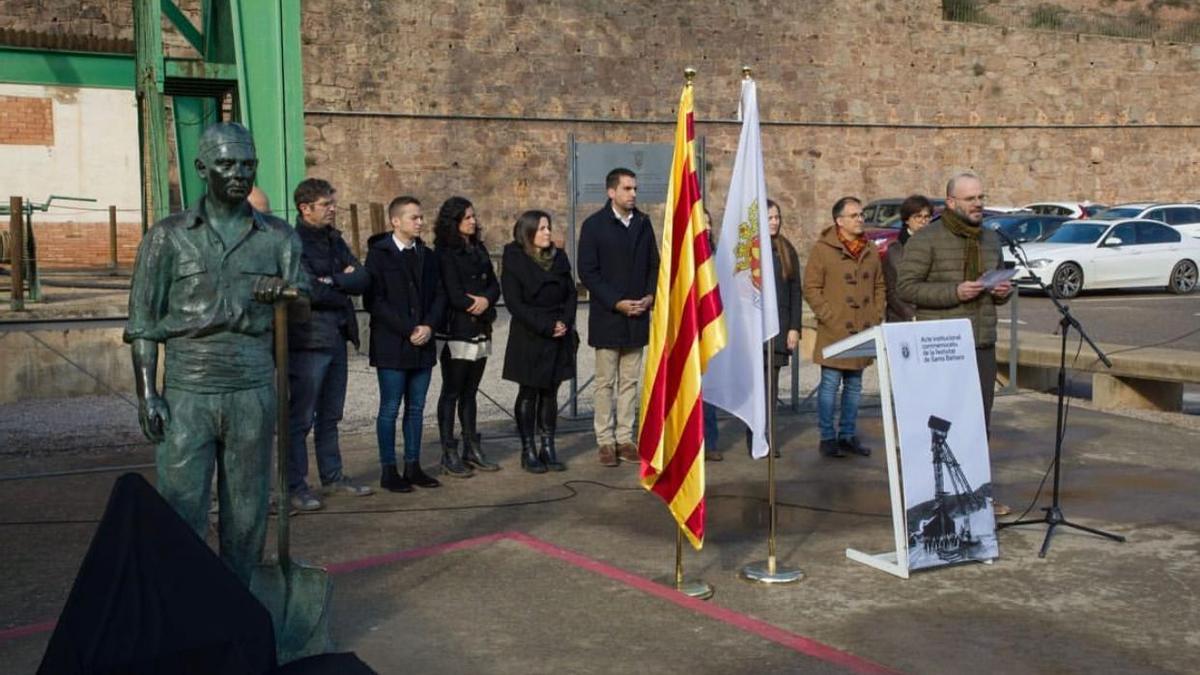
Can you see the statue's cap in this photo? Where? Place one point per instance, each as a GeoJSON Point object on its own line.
{"type": "Point", "coordinates": [223, 133]}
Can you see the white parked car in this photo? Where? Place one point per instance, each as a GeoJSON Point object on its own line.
{"type": "Point", "coordinates": [1069, 209]}
{"type": "Point", "coordinates": [1095, 254]}
{"type": "Point", "coordinates": [1183, 217]}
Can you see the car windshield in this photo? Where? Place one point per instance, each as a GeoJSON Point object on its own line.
{"type": "Point", "coordinates": [1118, 212]}
{"type": "Point", "coordinates": [1002, 222]}
{"type": "Point", "coordinates": [1078, 233]}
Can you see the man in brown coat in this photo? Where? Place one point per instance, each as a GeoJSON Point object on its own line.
{"type": "Point", "coordinates": [845, 287]}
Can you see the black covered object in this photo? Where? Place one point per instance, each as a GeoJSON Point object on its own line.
{"type": "Point", "coordinates": [345, 663]}
{"type": "Point", "coordinates": [151, 597]}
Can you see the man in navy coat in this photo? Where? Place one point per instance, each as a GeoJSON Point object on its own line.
{"type": "Point", "coordinates": [618, 263]}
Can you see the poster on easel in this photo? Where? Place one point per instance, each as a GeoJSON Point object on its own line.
{"type": "Point", "coordinates": [945, 468]}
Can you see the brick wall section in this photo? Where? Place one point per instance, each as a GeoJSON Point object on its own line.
{"type": "Point", "coordinates": [26, 120]}
{"type": "Point", "coordinates": [1004, 102]}
{"type": "Point", "coordinates": [826, 71]}
{"type": "Point", "coordinates": [84, 245]}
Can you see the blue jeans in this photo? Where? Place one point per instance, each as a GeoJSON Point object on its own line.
{"type": "Point", "coordinates": [851, 382]}
{"type": "Point", "coordinates": [395, 386]}
{"type": "Point", "coordinates": [317, 382]}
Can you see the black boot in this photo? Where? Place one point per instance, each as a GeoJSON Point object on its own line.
{"type": "Point", "coordinates": [529, 456]}
{"type": "Point", "coordinates": [452, 464]}
{"type": "Point", "coordinates": [392, 481]}
{"type": "Point", "coordinates": [549, 456]}
{"type": "Point", "coordinates": [414, 475]}
{"type": "Point", "coordinates": [473, 453]}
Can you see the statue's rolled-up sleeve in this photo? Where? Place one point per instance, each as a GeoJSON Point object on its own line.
{"type": "Point", "coordinates": [150, 288]}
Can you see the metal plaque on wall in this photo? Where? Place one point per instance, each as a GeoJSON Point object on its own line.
{"type": "Point", "coordinates": [650, 161]}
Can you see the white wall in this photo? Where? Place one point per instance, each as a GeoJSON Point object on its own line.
{"type": "Point", "coordinates": [95, 154]}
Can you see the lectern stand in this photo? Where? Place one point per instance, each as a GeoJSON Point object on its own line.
{"type": "Point", "coordinates": [870, 344]}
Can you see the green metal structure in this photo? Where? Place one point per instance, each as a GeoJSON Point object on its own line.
{"type": "Point", "coordinates": [247, 50]}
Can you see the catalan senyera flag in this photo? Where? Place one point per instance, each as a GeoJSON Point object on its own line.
{"type": "Point", "coordinates": [686, 329]}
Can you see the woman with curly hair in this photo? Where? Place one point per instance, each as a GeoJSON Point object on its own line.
{"type": "Point", "coordinates": [466, 335]}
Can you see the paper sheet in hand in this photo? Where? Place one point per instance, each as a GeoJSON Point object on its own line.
{"type": "Point", "coordinates": [992, 278]}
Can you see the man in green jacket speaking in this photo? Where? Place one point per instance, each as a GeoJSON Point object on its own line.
{"type": "Point", "coordinates": [941, 274]}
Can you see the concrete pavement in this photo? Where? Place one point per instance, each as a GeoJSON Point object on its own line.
{"type": "Point", "coordinates": [513, 573]}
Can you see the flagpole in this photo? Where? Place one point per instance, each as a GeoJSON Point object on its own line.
{"type": "Point", "coordinates": [769, 572]}
{"type": "Point", "coordinates": [695, 588]}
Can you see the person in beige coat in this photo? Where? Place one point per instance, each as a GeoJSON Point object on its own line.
{"type": "Point", "coordinates": [845, 287]}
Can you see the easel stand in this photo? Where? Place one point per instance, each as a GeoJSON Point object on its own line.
{"type": "Point", "coordinates": [1054, 515]}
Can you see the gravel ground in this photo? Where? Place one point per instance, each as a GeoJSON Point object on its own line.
{"type": "Point", "coordinates": [92, 424]}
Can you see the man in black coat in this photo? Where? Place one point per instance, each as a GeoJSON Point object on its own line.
{"type": "Point", "coordinates": [317, 365]}
{"type": "Point", "coordinates": [618, 263]}
{"type": "Point", "coordinates": [405, 301]}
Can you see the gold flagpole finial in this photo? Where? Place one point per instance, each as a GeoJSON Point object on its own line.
{"type": "Point", "coordinates": [689, 74]}
{"type": "Point", "coordinates": [746, 72]}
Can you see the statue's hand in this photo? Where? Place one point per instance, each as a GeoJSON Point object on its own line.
{"type": "Point", "coordinates": [154, 415]}
{"type": "Point", "coordinates": [269, 289]}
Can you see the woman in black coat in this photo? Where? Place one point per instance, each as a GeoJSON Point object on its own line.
{"type": "Point", "coordinates": [466, 336]}
{"type": "Point", "coordinates": [540, 295]}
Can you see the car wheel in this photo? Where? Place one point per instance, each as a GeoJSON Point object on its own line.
{"type": "Point", "coordinates": [1183, 277]}
{"type": "Point", "coordinates": [1068, 281]}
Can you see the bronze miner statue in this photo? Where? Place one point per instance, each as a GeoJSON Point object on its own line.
{"type": "Point", "coordinates": [202, 288]}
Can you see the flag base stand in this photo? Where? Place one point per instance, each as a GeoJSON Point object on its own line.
{"type": "Point", "coordinates": [693, 588]}
{"type": "Point", "coordinates": [765, 572]}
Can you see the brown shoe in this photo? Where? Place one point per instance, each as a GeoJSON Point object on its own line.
{"type": "Point", "coordinates": [1000, 509]}
{"type": "Point", "coordinates": [608, 455]}
{"type": "Point", "coordinates": [628, 452]}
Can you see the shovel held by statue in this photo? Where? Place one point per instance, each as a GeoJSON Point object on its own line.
{"type": "Point", "coordinates": [297, 595]}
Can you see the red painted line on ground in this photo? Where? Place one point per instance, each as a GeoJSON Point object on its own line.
{"type": "Point", "coordinates": [762, 629]}
{"type": "Point", "coordinates": [25, 631]}
{"type": "Point", "coordinates": [793, 641]}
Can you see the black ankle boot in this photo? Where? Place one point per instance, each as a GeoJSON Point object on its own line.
{"type": "Point", "coordinates": [549, 456]}
{"type": "Point", "coordinates": [473, 453]}
{"type": "Point", "coordinates": [414, 475]}
{"type": "Point", "coordinates": [452, 464]}
{"type": "Point", "coordinates": [392, 481]}
{"type": "Point", "coordinates": [529, 456]}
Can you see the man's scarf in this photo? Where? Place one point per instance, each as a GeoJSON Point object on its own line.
{"type": "Point", "coordinates": [970, 234]}
{"type": "Point", "coordinates": [856, 247]}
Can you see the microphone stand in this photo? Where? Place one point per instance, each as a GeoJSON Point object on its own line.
{"type": "Point", "coordinates": [1054, 515]}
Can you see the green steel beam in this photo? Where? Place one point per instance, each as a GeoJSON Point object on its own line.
{"type": "Point", "coordinates": [20, 65]}
{"type": "Point", "coordinates": [192, 115]}
{"type": "Point", "coordinates": [183, 25]}
{"type": "Point", "coordinates": [218, 32]}
{"type": "Point", "coordinates": [68, 69]}
{"type": "Point", "coordinates": [271, 101]}
{"type": "Point", "coordinates": [152, 123]}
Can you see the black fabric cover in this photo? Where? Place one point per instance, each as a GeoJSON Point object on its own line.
{"type": "Point", "coordinates": [334, 664]}
{"type": "Point", "coordinates": [151, 597]}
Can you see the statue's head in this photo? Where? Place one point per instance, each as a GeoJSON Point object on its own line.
{"type": "Point", "coordinates": [226, 162]}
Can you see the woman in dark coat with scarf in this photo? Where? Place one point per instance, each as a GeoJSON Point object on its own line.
{"type": "Point", "coordinates": [540, 294]}
{"type": "Point", "coordinates": [466, 336]}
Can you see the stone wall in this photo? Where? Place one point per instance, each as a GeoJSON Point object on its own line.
{"type": "Point", "coordinates": [479, 97]}
{"type": "Point", "coordinates": [876, 100]}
